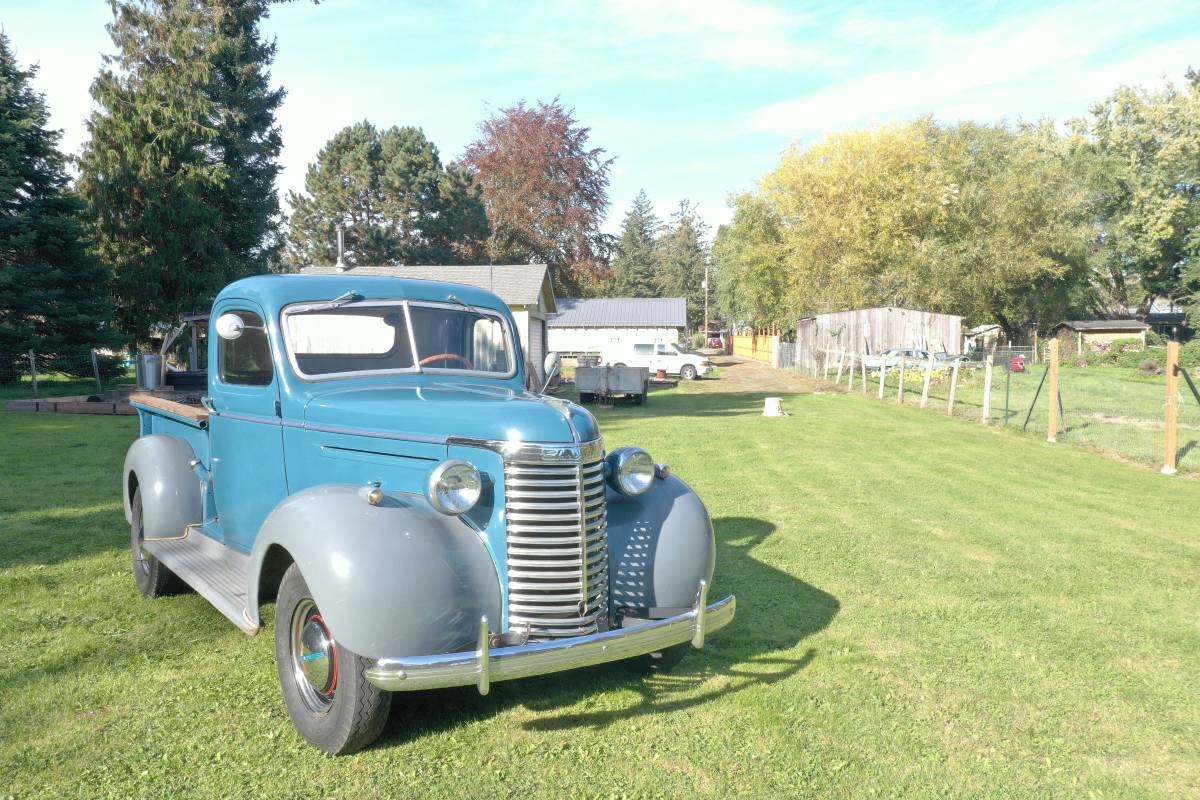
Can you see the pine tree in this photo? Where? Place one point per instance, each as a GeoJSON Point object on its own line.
{"type": "Point", "coordinates": [396, 201]}
{"type": "Point", "coordinates": [683, 258]}
{"type": "Point", "coordinates": [635, 263]}
{"type": "Point", "coordinates": [52, 297]}
{"type": "Point", "coordinates": [179, 171]}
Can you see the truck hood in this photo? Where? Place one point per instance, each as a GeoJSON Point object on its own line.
{"type": "Point", "coordinates": [436, 411]}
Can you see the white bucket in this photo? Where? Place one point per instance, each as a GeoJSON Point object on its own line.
{"type": "Point", "coordinates": [773, 407]}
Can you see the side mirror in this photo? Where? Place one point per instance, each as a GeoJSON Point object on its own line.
{"type": "Point", "coordinates": [550, 366]}
{"type": "Point", "coordinates": [230, 326]}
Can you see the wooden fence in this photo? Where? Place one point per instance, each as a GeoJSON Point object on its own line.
{"type": "Point", "coordinates": [758, 346]}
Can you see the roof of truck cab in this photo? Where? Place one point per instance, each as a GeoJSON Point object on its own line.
{"type": "Point", "coordinates": [273, 292]}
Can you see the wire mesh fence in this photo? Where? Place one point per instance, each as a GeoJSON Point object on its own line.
{"type": "Point", "coordinates": [40, 373]}
{"type": "Point", "coordinates": [1119, 409]}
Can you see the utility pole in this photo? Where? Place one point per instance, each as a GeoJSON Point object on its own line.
{"type": "Point", "coordinates": [706, 303]}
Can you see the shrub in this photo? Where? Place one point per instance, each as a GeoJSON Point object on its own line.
{"type": "Point", "coordinates": [1189, 355]}
{"type": "Point", "coordinates": [698, 341]}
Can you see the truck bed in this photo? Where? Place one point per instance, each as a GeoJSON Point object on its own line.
{"type": "Point", "coordinates": [187, 410]}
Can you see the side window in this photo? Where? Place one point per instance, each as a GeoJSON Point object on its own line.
{"type": "Point", "coordinates": [246, 360]}
{"type": "Point", "coordinates": [643, 349]}
{"type": "Point", "coordinates": [663, 350]}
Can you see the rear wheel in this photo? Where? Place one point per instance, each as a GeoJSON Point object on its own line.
{"type": "Point", "coordinates": [152, 578]}
{"type": "Point", "coordinates": [687, 372]}
{"type": "Point", "coordinates": [330, 701]}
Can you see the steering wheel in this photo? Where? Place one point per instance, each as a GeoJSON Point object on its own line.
{"type": "Point", "coordinates": [449, 357]}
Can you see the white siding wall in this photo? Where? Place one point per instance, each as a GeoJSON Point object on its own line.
{"type": "Point", "coordinates": [593, 340]}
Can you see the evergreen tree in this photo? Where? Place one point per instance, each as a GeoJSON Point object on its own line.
{"type": "Point", "coordinates": [52, 296]}
{"type": "Point", "coordinates": [179, 171]}
{"type": "Point", "coordinates": [683, 259]}
{"type": "Point", "coordinates": [396, 201]}
{"type": "Point", "coordinates": [635, 262]}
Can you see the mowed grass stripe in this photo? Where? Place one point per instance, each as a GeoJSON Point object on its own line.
{"type": "Point", "coordinates": [926, 607]}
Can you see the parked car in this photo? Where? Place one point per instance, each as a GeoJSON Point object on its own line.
{"type": "Point", "coordinates": [366, 455]}
{"type": "Point", "coordinates": [670, 358]}
{"type": "Point", "coordinates": [913, 357]}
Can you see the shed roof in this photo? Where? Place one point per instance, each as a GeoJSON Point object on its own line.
{"type": "Point", "coordinates": [1103, 325]}
{"type": "Point", "coordinates": [621, 312]}
{"type": "Point", "coordinates": [515, 284]}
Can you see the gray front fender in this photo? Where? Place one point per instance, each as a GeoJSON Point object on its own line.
{"type": "Point", "coordinates": [171, 489]}
{"type": "Point", "coordinates": [660, 546]}
{"type": "Point", "coordinates": [390, 580]}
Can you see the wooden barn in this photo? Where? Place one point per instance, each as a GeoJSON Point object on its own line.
{"type": "Point", "coordinates": [872, 331]}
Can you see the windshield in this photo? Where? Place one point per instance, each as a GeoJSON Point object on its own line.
{"type": "Point", "coordinates": [372, 339]}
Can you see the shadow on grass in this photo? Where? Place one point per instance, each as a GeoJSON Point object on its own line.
{"type": "Point", "coordinates": [776, 612]}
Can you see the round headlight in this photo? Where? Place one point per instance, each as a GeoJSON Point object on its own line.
{"type": "Point", "coordinates": [631, 471]}
{"type": "Point", "coordinates": [454, 486]}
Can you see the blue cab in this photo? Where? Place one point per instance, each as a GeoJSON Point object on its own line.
{"type": "Point", "coordinates": [370, 456]}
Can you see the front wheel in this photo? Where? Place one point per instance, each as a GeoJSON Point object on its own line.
{"type": "Point", "coordinates": [330, 701]}
{"type": "Point", "coordinates": [152, 578]}
{"type": "Point", "coordinates": [687, 372]}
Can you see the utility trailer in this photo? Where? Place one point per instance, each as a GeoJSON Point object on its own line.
{"type": "Point", "coordinates": [605, 384]}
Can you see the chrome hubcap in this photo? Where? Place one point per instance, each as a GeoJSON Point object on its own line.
{"type": "Point", "coordinates": [314, 656]}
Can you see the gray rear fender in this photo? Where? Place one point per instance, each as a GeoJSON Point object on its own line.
{"type": "Point", "coordinates": [397, 579]}
{"type": "Point", "coordinates": [660, 546]}
{"type": "Point", "coordinates": [171, 490]}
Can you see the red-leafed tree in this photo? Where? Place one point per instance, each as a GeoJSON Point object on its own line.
{"type": "Point", "coordinates": [545, 192]}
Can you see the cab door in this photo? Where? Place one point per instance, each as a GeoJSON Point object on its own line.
{"type": "Point", "coordinates": [665, 358]}
{"type": "Point", "coordinates": [245, 428]}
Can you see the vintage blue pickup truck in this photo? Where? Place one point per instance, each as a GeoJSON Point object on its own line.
{"type": "Point", "coordinates": [369, 456]}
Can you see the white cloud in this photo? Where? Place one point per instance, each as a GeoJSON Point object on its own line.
{"type": "Point", "coordinates": [1048, 63]}
{"type": "Point", "coordinates": [736, 33]}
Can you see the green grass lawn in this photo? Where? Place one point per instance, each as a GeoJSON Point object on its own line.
{"type": "Point", "coordinates": [1116, 410]}
{"type": "Point", "coordinates": [927, 608]}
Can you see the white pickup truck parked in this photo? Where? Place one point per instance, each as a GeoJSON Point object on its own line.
{"type": "Point", "coordinates": [658, 355]}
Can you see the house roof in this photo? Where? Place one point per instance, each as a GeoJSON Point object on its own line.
{"type": "Point", "coordinates": [621, 312]}
{"type": "Point", "coordinates": [1102, 325]}
{"type": "Point", "coordinates": [515, 284]}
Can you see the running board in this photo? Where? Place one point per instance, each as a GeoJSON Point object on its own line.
{"type": "Point", "coordinates": [216, 572]}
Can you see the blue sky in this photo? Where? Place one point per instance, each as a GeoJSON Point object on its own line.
{"type": "Point", "coordinates": [694, 98]}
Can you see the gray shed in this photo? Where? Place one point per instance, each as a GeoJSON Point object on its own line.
{"type": "Point", "coordinates": [594, 324]}
{"type": "Point", "coordinates": [876, 330]}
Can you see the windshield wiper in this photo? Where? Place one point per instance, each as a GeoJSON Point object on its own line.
{"type": "Point", "coordinates": [337, 302]}
{"type": "Point", "coordinates": [455, 298]}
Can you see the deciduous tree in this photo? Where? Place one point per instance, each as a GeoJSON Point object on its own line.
{"type": "Point", "coordinates": [546, 192]}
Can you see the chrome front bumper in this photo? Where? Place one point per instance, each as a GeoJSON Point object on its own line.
{"type": "Point", "coordinates": [485, 664]}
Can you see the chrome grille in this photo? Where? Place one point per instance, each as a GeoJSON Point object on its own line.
{"type": "Point", "coordinates": [557, 545]}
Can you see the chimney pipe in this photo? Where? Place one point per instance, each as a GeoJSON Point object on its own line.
{"type": "Point", "coordinates": [341, 265]}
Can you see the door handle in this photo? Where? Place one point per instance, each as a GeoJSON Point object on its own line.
{"type": "Point", "coordinates": [207, 403]}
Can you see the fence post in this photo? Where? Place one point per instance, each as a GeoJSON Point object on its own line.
{"type": "Point", "coordinates": [825, 369]}
{"type": "Point", "coordinates": [928, 378]}
{"type": "Point", "coordinates": [96, 372]}
{"type": "Point", "coordinates": [850, 377]}
{"type": "Point", "coordinates": [953, 387]}
{"type": "Point", "coordinates": [1171, 443]}
{"type": "Point", "coordinates": [862, 364]}
{"type": "Point", "coordinates": [1052, 425]}
{"type": "Point", "coordinates": [841, 363]}
{"type": "Point", "coordinates": [33, 373]}
{"type": "Point", "coordinates": [882, 376]}
{"type": "Point", "coordinates": [986, 416]}
{"type": "Point", "coordinates": [900, 391]}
